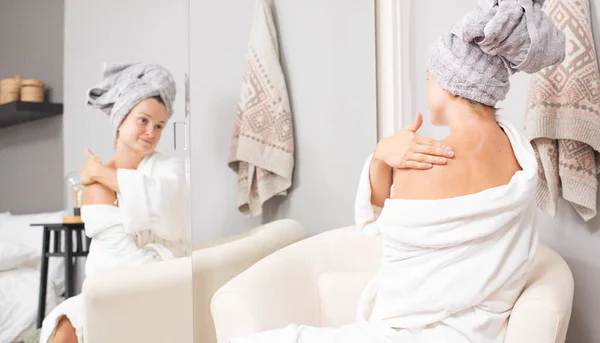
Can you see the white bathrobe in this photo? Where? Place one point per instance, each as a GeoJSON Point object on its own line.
{"type": "Point", "coordinates": [149, 225]}
{"type": "Point", "coordinates": [451, 269]}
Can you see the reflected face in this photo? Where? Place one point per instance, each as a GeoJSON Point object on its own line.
{"type": "Point", "coordinates": [142, 128]}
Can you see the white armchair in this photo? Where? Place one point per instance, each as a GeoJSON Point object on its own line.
{"type": "Point", "coordinates": [317, 282]}
{"type": "Point", "coordinates": [158, 302]}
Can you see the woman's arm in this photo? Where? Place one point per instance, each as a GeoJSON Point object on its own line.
{"type": "Point", "coordinates": [97, 194]}
{"type": "Point", "coordinates": [381, 178]}
{"type": "Point", "coordinates": [106, 176]}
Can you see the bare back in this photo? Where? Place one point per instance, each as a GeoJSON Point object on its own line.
{"type": "Point", "coordinates": [475, 167]}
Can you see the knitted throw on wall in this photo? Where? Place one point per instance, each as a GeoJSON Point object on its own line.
{"type": "Point", "coordinates": [563, 115]}
{"type": "Point", "coordinates": [262, 146]}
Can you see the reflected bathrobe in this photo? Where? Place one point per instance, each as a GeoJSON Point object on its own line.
{"type": "Point", "coordinates": [149, 225]}
{"type": "Point", "coordinates": [451, 269]}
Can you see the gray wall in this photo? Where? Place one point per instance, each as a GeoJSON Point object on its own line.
{"type": "Point", "coordinates": [328, 55]}
{"type": "Point", "coordinates": [578, 242]}
{"type": "Point", "coordinates": [31, 154]}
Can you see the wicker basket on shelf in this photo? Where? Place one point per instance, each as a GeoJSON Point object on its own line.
{"type": "Point", "coordinates": [10, 89]}
{"type": "Point", "coordinates": [32, 90]}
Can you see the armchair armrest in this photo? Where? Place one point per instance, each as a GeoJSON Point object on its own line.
{"type": "Point", "coordinates": [147, 303]}
{"type": "Point", "coordinates": [543, 311]}
{"type": "Point", "coordinates": [216, 265]}
{"type": "Point", "coordinates": [278, 291]}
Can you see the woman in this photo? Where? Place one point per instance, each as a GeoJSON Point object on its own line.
{"type": "Point", "coordinates": [457, 242]}
{"type": "Point", "coordinates": [135, 206]}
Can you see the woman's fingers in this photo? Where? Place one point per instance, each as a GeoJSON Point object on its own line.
{"type": "Point", "coordinates": [416, 165]}
{"type": "Point", "coordinates": [416, 124]}
{"type": "Point", "coordinates": [423, 158]}
{"type": "Point", "coordinates": [429, 141]}
{"type": "Point", "coordinates": [91, 155]}
{"type": "Point", "coordinates": [432, 150]}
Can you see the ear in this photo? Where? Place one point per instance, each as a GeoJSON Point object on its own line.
{"type": "Point", "coordinates": [451, 96]}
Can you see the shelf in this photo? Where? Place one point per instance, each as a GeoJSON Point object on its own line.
{"type": "Point", "coordinates": [17, 112]}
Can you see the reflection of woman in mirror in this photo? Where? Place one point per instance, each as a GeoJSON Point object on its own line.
{"type": "Point", "coordinates": [135, 206]}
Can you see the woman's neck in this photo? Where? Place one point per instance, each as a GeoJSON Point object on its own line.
{"type": "Point", "coordinates": [463, 118]}
{"type": "Point", "coordinates": [126, 158]}
{"type": "Point", "coordinates": [470, 128]}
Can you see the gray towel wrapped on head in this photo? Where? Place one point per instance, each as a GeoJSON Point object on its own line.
{"type": "Point", "coordinates": [125, 85]}
{"type": "Point", "coordinates": [491, 42]}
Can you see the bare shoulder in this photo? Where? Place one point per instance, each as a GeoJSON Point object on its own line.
{"type": "Point", "coordinates": [491, 165]}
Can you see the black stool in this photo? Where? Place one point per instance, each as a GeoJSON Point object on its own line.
{"type": "Point", "coordinates": [56, 231]}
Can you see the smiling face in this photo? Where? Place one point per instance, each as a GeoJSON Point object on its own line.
{"type": "Point", "coordinates": [143, 126]}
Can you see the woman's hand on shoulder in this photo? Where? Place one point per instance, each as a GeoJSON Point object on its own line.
{"type": "Point", "coordinates": [89, 168]}
{"type": "Point", "coordinates": [408, 150]}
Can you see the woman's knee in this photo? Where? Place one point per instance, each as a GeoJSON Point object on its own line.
{"type": "Point", "coordinates": [98, 194]}
{"type": "Point", "coordinates": [65, 332]}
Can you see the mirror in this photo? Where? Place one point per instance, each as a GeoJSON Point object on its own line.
{"type": "Point", "coordinates": [53, 53]}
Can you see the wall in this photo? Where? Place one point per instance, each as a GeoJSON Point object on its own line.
{"type": "Point", "coordinates": [567, 233]}
{"type": "Point", "coordinates": [328, 56]}
{"type": "Point", "coordinates": [31, 154]}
